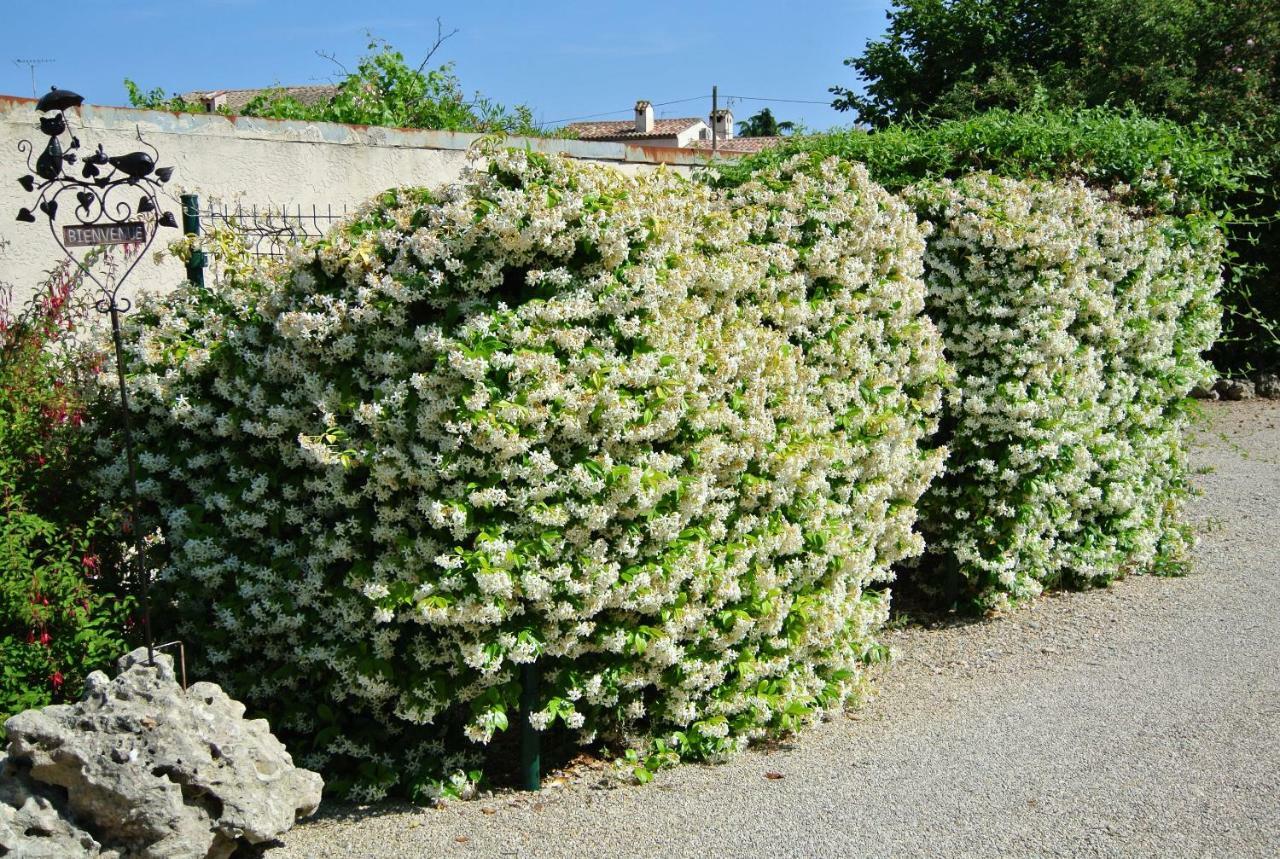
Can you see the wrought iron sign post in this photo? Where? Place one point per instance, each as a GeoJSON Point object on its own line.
{"type": "Point", "coordinates": [115, 200]}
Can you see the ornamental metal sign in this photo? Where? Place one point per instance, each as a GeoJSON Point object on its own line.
{"type": "Point", "coordinates": [113, 201]}
{"type": "Point", "coordinates": [93, 235]}
{"type": "Point", "coordinates": [97, 199]}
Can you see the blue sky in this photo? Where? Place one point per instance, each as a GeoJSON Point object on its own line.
{"type": "Point", "coordinates": [564, 59]}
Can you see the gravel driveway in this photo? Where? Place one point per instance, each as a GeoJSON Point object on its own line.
{"type": "Point", "coordinates": [1142, 720]}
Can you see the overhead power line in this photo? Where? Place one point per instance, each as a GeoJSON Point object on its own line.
{"type": "Point", "coordinates": [787, 100]}
{"type": "Point", "coordinates": [682, 101]}
{"type": "Point", "coordinates": [623, 110]}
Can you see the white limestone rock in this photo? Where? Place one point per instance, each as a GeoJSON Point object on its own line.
{"type": "Point", "coordinates": [156, 772]}
{"type": "Point", "coordinates": [33, 827]}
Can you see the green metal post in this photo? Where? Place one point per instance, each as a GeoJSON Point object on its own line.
{"type": "Point", "coordinates": [530, 739]}
{"type": "Point", "coordinates": [191, 226]}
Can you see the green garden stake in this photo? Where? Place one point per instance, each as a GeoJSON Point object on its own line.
{"type": "Point", "coordinates": [530, 739]}
{"type": "Point", "coordinates": [191, 226]}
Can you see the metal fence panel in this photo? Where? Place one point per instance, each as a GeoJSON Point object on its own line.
{"type": "Point", "coordinates": [270, 229]}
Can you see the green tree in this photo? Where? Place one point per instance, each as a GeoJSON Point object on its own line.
{"type": "Point", "coordinates": [764, 124]}
{"type": "Point", "coordinates": [155, 99]}
{"type": "Point", "coordinates": [1175, 58]}
{"type": "Point", "coordinates": [1213, 63]}
{"type": "Point", "coordinates": [382, 90]}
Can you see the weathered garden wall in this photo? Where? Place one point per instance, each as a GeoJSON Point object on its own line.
{"type": "Point", "coordinates": [256, 161]}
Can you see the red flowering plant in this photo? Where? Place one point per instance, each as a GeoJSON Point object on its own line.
{"type": "Point", "coordinates": [60, 617]}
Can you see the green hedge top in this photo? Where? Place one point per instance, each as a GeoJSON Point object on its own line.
{"type": "Point", "coordinates": [1153, 163]}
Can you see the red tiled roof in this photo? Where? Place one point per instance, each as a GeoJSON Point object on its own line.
{"type": "Point", "coordinates": [238, 98]}
{"type": "Point", "coordinates": [739, 144]}
{"type": "Point", "coordinates": [627, 129]}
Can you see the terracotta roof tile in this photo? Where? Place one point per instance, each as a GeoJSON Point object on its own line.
{"type": "Point", "coordinates": [627, 129]}
{"type": "Point", "coordinates": [238, 98]}
{"type": "Point", "coordinates": [739, 144]}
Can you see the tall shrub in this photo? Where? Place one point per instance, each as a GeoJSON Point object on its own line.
{"type": "Point", "coordinates": [1211, 63]}
{"type": "Point", "coordinates": [1157, 165]}
{"type": "Point", "coordinates": [654, 443]}
{"type": "Point", "coordinates": [1075, 327]}
{"type": "Point", "coordinates": [60, 616]}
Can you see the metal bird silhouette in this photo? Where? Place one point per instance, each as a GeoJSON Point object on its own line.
{"type": "Point", "coordinates": [135, 164]}
{"type": "Point", "coordinates": [59, 99]}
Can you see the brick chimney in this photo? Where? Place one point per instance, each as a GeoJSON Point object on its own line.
{"type": "Point", "coordinates": [644, 117]}
{"type": "Point", "coordinates": [722, 122]}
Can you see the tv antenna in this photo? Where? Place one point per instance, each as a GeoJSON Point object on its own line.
{"type": "Point", "coordinates": [31, 64]}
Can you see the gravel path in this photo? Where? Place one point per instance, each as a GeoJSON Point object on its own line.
{"type": "Point", "coordinates": [1141, 720]}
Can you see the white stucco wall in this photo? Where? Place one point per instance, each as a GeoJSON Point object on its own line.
{"type": "Point", "coordinates": [701, 131]}
{"type": "Point", "coordinates": [254, 161]}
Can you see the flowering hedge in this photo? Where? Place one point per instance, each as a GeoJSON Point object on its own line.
{"type": "Point", "coordinates": [1159, 165]}
{"type": "Point", "coordinates": [1075, 326]}
{"type": "Point", "coordinates": [657, 440]}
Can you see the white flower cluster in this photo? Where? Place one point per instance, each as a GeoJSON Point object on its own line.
{"type": "Point", "coordinates": [655, 439]}
{"type": "Point", "coordinates": [1075, 327]}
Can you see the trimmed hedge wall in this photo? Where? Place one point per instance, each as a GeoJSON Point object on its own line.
{"type": "Point", "coordinates": [667, 441]}
{"type": "Point", "coordinates": [1156, 165]}
{"type": "Point", "coordinates": [1076, 328]}
{"type": "Point", "coordinates": [658, 441]}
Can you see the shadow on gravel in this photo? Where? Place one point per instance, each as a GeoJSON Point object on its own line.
{"type": "Point", "coordinates": [912, 607]}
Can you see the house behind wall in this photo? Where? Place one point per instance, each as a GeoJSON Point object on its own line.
{"type": "Point", "coordinates": [256, 161]}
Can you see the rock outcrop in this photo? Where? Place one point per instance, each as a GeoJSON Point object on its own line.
{"type": "Point", "coordinates": [141, 768]}
{"type": "Point", "coordinates": [32, 825]}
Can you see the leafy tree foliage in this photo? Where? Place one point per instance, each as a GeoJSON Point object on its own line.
{"type": "Point", "coordinates": [764, 124]}
{"type": "Point", "coordinates": [383, 90]}
{"type": "Point", "coordinates": [1176, 58]}
{"type": "Point", "coordinates": [1214, 63]}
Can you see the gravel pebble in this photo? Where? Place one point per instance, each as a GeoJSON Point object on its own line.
{"type": "Point", "coordinates": [1139, 720]}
